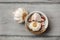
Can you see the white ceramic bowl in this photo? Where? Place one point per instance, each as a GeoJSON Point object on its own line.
{"type": "Point", "coordinates": [46, 21]}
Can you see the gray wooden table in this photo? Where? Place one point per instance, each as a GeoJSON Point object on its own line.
{"type": "Point", "coordinates": [10, 30]}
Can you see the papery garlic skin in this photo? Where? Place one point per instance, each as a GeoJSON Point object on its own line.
{"type": "Point", "coordinates": [36, 17]}
{"type": "Point", "coordinates": [36, 28]}
{"type": "Point", "coordinates": [20, 15]}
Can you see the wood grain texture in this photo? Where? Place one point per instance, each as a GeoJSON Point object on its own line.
{"type": "Point", "coordinates": [29, 0]}
{"type": "Point", "coordinates": [10, 27]}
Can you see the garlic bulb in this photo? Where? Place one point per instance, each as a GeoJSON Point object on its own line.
{"type": "Point", "coordinates": [35, 26]}
{"type": "Point", "coordinates": [36, 17]}
{"type": "Point", "coordinates": [20, 15]}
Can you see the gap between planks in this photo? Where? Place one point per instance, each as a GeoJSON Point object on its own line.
{"type": "Point", "coordinates": [30, 2]}
{"type": "Point", "coordinates": [27, 36]}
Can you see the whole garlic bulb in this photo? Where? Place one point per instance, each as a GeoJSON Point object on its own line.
{"type": "Point", "coordinates": [35, 26]}
{"type": "Point", "coordinates": [20, 15]}
{"type": "Point", "coordinates": [36, 17]}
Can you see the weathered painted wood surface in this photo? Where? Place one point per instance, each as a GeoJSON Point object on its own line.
{"type": "Point", "coordinates": [27, 38]}
{"type": "Point", "coordinates": [9, 27]}
{"type": "Point", "coordinates": [29, 0]}
{"type": "Point", "coordinates": [11, 30]}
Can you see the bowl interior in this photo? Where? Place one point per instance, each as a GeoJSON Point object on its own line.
{"type": "Point", "coordinates": [46, 21]}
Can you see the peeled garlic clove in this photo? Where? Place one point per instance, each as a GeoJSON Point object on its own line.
{"type": "Point", "coordinates": [36, 17]}
{"type": "Point", "coordinates": [42, 20]}
{"type": "Point", "coordinates": [42, 24]}
{"type": "Point", "coordinates": [20, 15]}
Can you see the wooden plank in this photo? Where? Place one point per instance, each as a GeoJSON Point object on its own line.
{"type": "Point", "coordinates": [29, 0]}
{"type": "Point", "coordinates": [29, 38]}
{"type": "Point", "coordinates": [9, 27]}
